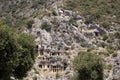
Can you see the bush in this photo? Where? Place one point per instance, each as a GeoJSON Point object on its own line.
{"type": "Point", "coordinates": [105, 37]}
{"type": "Point", "coordinates": [117, 35]}
{"type": "Point", "coordinates": [83, 44]}
{"type": "Point", "coordinates": [46, 26]}
{"type": "Point", "coordinates": [29, 24]}
{"type": "Point", "coordinates": [73, 22]}
{"type": "Point", "coordinates": [114, 55]}
{"type": "Point", "coordinates": [88, 66]}
{"type": "Point", "coordinates": [111, 49]}
{"type": "Point", "coordinates": [106, 25]}
{"type": "Point", "coordinates": [54, 13]}
{"type": "Point", "coordinates": [35, 78]}
{"type": "Point", "coordinates": [95, 15]}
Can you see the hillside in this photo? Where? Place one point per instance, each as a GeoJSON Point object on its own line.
{"type": "Point", "coordinates": [103, 12]}
{"type": "Point", "coordinates": [62, 29]}
{"type": "Point", "coordinates": [16, 13]}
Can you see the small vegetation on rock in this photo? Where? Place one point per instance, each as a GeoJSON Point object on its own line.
{"type": "Point", "coordinates": [103, 12]}
{"type": "Point", "coordinates": [46, 26]}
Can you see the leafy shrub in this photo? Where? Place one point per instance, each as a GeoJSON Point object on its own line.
{"type": "Point", "coordinates": [114, 55]}
{"type": "Point", "coordinates": [105, 37]}
{"type": "Point", "coordinates": [34, 78]}
{"type": "Point", "coordinates": [54, 13]}
{"type": "Point", "coordinates": [106, 24]}
{"type": "Point", "coordinates": [117, 35]}
{"type": "Point", "coordinates": [29, 24]}
{"type": "Point", "coordinates": [46, 26]}
{"type": "Point", "coordinates": [88, 66]}
{"type": "Point", "coordinates": [73, 22]}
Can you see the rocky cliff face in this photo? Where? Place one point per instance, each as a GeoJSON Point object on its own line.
{"type": "Point", "coordinates": [59, 35]}
{"type": "Point", "coordinates": [16, 12]}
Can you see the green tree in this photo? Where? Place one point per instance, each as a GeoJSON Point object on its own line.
{"type": "Point", "coordinates": [16, 53]}
{"type": "Point", "coordinates": [26, 58]}
{"type": "Point", "coordinates": [8, 52]}
{"type": "Point", "coordinates": [88, 66]}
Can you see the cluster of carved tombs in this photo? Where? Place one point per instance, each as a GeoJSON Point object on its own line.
{"type": "Point", "coordinates": [53, 61]}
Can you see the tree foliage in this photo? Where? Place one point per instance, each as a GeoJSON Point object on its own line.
{"type": "Point", "coordinates": [88, 66]}
{"type": "Point", "coordinates": [16, 53]}
{"type": "Point", "coordinates": [26, 58]}
{"type": "Point", "coordinates": [8, 51]}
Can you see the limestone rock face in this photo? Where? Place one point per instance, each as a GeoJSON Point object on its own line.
{"type": "Point", "coordinates": [63, 34]}
{"type": "Point", "coordinates": [46, 38]}
{"type": "Point", "coordinates": [37, 23]}
{"type": "Point", "coordinates": [67, 35]}
{"type": "Point", "coordinates": [116, 68]}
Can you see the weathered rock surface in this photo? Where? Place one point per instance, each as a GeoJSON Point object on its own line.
{"type": "Point", "coordinates": [63, 41]}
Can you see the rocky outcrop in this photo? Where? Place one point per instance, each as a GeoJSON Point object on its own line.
{"type": "Point", "coordinates": [116, 68]}
{"type": "Point", "coordinates": [67, 35]}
